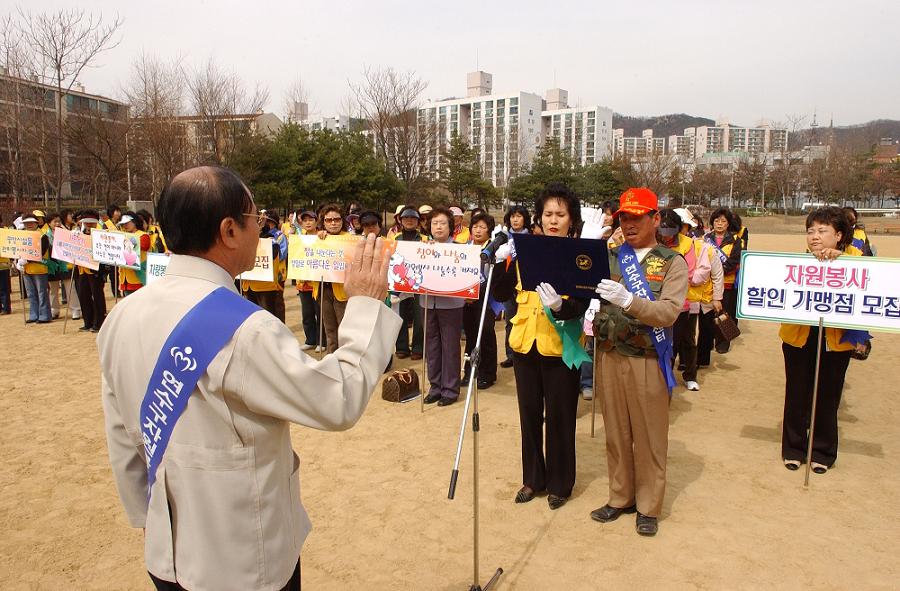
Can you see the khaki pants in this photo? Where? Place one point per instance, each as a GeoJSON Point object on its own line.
{"type": "Point", "coordinates": [635, 407]}
{"type": "Point", "coordinates": [332, 315]}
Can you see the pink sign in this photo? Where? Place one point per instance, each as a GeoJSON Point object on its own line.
{"type": "Point", "coordinates": [444, 269]}
{"type": "Point", "coordinates": [73, 247]}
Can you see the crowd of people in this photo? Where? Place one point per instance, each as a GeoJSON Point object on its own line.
{"type": "Point", "coordinates": [631, 346]}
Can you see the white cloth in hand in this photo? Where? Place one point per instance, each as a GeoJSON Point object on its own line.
{"type": "Point", "coordinates": [595, 226]}
{"type": "Point", "coordinates": [615, 293]}
{"type": "Point", "coordinates": [549, 297]}
{"type": "Point", "coordinates": [499, 228]}
{"type": "Point", "coordinates": [503, 252]}
{"type": "Point", "coordinates": [20, 265]}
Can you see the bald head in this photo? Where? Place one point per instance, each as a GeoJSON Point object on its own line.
{"type": "Point", "coordinates": [195, 202]}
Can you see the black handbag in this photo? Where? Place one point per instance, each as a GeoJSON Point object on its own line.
{"type": "Point", "coordinates": [726, 328]}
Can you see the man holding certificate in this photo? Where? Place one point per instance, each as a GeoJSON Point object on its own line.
{"type": "Point", "coordinates": [633, 330]}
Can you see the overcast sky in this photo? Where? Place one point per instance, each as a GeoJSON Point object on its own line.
{"type": "Point", "coordinates": [739, 59]}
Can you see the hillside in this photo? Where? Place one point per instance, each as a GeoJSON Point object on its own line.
{"type": "Point", "coordinates": [855, 138]}
{"type": "Point", "coordinates": [662, 125]}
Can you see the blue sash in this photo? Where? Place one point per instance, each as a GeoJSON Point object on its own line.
{"type": "Point", "coordinates": [187, 353]}
{"type": "Point", "coordinates": [711, 240]}
{"type": "Point", "coordinates": [636, 283]}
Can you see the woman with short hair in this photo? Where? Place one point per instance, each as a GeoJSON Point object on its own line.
{"type": "Point", "coordinates": [828, 236]}
{"type": "Point", "coordinates": [480, 228]}
{"type": "Point", "coordinates": [727, 246]}
{"type": "Point", "coordinates": [517, 221]}
{"type": "Point", "coordinates": [333, 300]}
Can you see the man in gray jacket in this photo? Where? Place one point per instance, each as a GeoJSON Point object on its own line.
{"type": "Point", "coordinates": [224, 510]}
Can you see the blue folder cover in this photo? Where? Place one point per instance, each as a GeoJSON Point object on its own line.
{"type": "Point", "coordinates": [573, 266]}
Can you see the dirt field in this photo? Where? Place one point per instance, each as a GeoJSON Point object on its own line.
{"type": "Point", "coordinates": [734, 518]}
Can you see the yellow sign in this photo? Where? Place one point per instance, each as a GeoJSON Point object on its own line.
{"type": "Point", "coordinates": [20, 244]}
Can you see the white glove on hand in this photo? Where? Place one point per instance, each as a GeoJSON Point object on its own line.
{"type": "Point", "coordinates": [503, 252]}
{"type": "Point", "coordinates": [499, 228]}
{"type": "Point", "coordinates": [615, 293]}
{"type": "Point", "coordinates": [594, 225]}
{"type": "Point", "coordinates": [549, 297]}
{"type": "Point", "coordinates": [20, 265]}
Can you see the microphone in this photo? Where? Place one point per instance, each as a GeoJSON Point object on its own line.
{"type": "Point", "coordinates": [488, 252]}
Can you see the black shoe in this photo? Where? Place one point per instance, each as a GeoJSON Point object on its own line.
{"type": "Point", "coordinates": [30, 321]}
{"type": "Point", "coordinates": [95, 330]}
{"type": "Point", "coordinates": [485, 384]}
{"type": "Point", "coordinates": [681, 367]}
{"type": "Point", "coordinates": [723, 348]}
{"type": "Point", "coordinates": [44, 321]}
{"type": "Point", "coordinates": [524, 495]}
{"type": "Point", "coordinates": [432, 398]}
{"type": "Point", "coordinates": [402, 354]}
{"type": "Point", "coordinates": [446, 401]}
{"type": "Point", "coordinates": [507, 363]}
{"type": "Point", "coordinates": [608, 513]}
{"type": "Point", "coordinates": [84, 329]}
{"type": "Point", "coordinates": [464, 382]}
{"type": "Point", "coordinates": [556, 502]}
{"type": "Point", "coordinates": [645, 525]}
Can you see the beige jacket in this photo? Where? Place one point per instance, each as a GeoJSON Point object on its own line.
{"type": "Point", "coordinates": [225, 510]}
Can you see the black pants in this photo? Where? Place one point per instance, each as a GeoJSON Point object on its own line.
{"type": "Point", "coordinates": [705, 337]}
{"type": "Point", "coordinates": [487, 367]}
{"type": "Point", "coordinates": [548, 393]}
{"type": "Point", "coordinates": [93, 302]}
{"type": "Point", "coordinates": [271, 301]}
{"type": "Point", "coordinates": [411, 313]}
{"type": "Point", "coordinates": [685, 337]}
{"type": "Point", "coordinates": [292, 585]}
{"type": "Point", "coordinates": [799, 373]}
{"type": "Point", "coordinates": [309, 310]}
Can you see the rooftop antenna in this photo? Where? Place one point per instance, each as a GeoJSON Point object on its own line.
{"type": "Point", "coordinates": [814, 129]}
{"type": "Point", "coordinates": [476, 60]}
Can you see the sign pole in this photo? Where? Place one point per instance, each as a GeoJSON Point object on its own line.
{"type": "Point", "coordinates": [116, 285]}
{"type": "Point", "coordinates": [424, 349]}
{"type": "Point", "coordinates": [815, 395]}
{"type": "Point", "coordinates": [321, 314]}
{"type": "Point", "coordinates": [68, 293]}
{"type": "Point", "coordinates": [24, 294]}
{"type": "Point", "coordinates": [595, 388]}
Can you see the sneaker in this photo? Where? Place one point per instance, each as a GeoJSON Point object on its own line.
{"type": "Point", "coordinates": [76, 316]}
{"type": "Point", "coordinates": [587, 393]}
{"type": "Point", "coordinates": [306, 347]}
{"type": "Point", "coordinates": [692, 385]}
{"type": "Point", "coordinates": [319, 349]}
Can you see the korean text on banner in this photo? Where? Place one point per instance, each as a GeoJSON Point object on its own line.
{"type": "Point", "coordinates": [73, 247]}
{"type": "Point", "coordinates": [20, 244]}
{"type": "Point", "coordinates": [861, 293]}
{"type": "Point", "coordinates": [264, 269]}
{"type": "Point", "coordinates": [116, 248]}
{"type": "Point", "coordinates": [157, 263]}
{"type": "Point", "coordinates": [450, 270]}
{"type": "Point", "coordinates": [311, 259]}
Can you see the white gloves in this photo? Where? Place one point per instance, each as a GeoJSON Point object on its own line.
{"type": "Point", "coordinates": [549, 297]}
{"type": "Point", "coordinates": [503, 252]}
{"type": "Point", "coordinates": [20, 265]}
{"type": "Point", "coordinates": [615, 293]}
{"type": "Point", "coordinates": [499, 228]}
{"type": "Point", "coordinates": [595, 226]}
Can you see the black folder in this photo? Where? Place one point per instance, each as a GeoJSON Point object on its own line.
{"type": "Point", "coordinates": [573, 266]}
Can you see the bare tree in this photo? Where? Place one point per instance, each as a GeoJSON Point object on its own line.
{"type": "Point", "coordinates": [389, 100]}
{"type": "Point", "coordinates": [157, 143]}
{"type": "Point", "coordinates": [67, 41]}
{"type": "Point", "coordinates": [219, 98]}
{"type": "Point", "coordinates": [296, 102]}
{"type": "Point", "coordinates": [100, 141]}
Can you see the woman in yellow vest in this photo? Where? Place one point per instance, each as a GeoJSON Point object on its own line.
{"type": "Point", "coordinates": [546, 387]}
{"type": "Point", "coordinates": [723, 237]}
{"type": "Point", "coordinates": [131, 280]}
{"type": "Point", "coordinates": [34, 274]}
{"type": "Point", "coordinates": [88, 283]}
{"type": "Point", "coordinates": [269, 295]}
{"type": "Point", "coordinates": [333, 300]}
{"type": "Point", "coordinates": [308, 309]}
{"type": "Point", "coordinates": [828, 236]}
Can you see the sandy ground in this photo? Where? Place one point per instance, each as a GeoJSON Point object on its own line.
{"type": "Point", "coordinates": [734, 518]}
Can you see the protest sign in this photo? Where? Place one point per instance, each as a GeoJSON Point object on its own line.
{"type": "Point", "coordinates": [20, 244]}
{"type": "Point", "coordinates": [121, 249]}
{"type": "Point", "coordinates": [73, 247]}
{"type": "Point", "coordinates": [850, 292]}
{"type": "Point", "coordinates": [444, 269]}
{"type": "Point", "coordinates": [157, 263]}
{"type": "Point", "coordinates": [312, 259]}
{"type": "Point", "coordinates": [264, 269]}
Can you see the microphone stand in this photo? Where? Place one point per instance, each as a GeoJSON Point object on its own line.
{"type": "Point", "coordinates": [472, 398]}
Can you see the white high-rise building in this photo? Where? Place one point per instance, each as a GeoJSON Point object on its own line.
{"type": "Point", "coordinates": [507, 129]}
{"type": "Point", "coordinates": [724, 137]}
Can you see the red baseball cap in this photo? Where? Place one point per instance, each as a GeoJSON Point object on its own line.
{"type": "Point", "coordinates": [637, 201]}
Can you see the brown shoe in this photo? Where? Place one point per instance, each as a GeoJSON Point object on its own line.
{"type": "Point", "coordinates": [402, 354]}
{"type": "Point", "coordinates": [415, 356]}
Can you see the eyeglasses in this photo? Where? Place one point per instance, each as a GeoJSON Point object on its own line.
{"type": "Point", "coordinates": [260, 217]}
{"type": "Point", "coordinates": [332, 220]}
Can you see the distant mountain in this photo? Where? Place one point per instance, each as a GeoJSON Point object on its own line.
{"type": "Point", "coordinates": [662, 125]}
{"type": "Point", "coordinates": [855, 138]}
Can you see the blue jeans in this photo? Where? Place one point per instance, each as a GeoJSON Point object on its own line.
{"type": "Point", "coordinates": [38, 297]}
{"type": "Point", "coordinates": [587, 368]}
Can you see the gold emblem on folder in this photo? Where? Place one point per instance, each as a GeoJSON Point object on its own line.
{"type": "Point", "coordinates": [584, 262]}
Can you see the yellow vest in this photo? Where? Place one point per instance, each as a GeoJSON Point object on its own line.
{"type": "Point", "coordinates": [531, 324]}
{"type": "Point", "coordinates": [696, 293]}
{"type": "Point", "coordinates": [38, 267]}
{"type": "Point", "coordinates": [796, 335]}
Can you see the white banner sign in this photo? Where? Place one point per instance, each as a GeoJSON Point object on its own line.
{"type": "Point", "coordinates": [264, 269]}
{"type": "Point", "coordinates": [851, 292]}
{"type": "Point", "coordinates": [116, 248]}
{"type": "Point", "coordinates": [157, 263]}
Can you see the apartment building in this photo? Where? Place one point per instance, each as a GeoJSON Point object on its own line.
{"type": "Point", "coordinates": [724, 137]}
{"type": "Point", "coordinates": [637, 147]}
